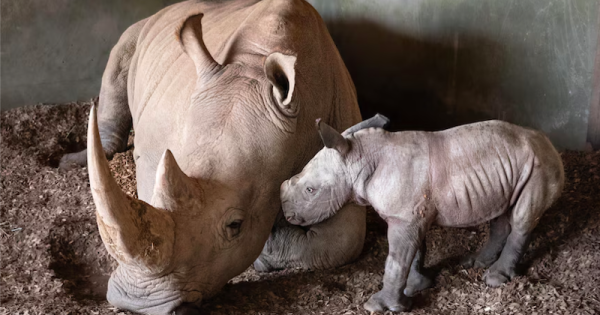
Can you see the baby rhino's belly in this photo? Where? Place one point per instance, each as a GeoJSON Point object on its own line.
{"type": "Point", "coordinates": [466, 196]}
{"type": "Point", "coordinates": [463, 206]}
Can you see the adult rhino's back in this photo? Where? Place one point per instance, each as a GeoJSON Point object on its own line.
{"type": "Point", "coordinates": [240, 35]}
{"type": "Point", "coordinates": [163, 77]}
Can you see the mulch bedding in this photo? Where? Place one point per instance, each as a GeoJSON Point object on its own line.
{"type": "Point", "coordinates": [53, 261]}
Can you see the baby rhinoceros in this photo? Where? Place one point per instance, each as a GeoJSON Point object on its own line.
{"type": "Point", "coordinates": [464, 176]}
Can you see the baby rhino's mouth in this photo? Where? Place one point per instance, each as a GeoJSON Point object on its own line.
{"type": "Point", "coordinates": [294, 219]}
{"type": "Point", "coordinates": [187, 309]}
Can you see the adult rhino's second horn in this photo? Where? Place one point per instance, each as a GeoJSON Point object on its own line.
{"type": "Point", "coordinates": [173, 190]}
{"type": "Point", "coordinates": [134, 233]}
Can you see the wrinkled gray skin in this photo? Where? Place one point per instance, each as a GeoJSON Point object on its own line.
{"type": "Point", "coordinates": [223, 96]}
{"type": "Point", "coordinates": [464, 176]}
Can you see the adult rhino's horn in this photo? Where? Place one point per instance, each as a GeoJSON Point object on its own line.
{"type": "Point", "coordinates": [173, 190]}
{"type": "Point", "coordinates": [134, 233]}
{"type": "Point", "coordinates": [190, 37]}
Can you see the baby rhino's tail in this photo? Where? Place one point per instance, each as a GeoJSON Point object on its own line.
{"type": "Point", "coordinates": [549, 162]}
{"type": "Point", "coordinates": [543, 186]}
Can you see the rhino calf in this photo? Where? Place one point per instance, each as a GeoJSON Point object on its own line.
{"type": "Point", "coordinates": [464, 176]}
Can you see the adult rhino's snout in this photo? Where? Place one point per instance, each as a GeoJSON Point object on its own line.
{"type": "Point", "coordinates": [135, 233]}
{"type": "Point", "coordinates": [130, 290]}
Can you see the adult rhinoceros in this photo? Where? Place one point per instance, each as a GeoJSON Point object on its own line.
{"type": "Point", "coordinates": [223, 97]}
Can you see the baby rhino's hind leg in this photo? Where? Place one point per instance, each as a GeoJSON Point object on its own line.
{"type": "Point", "coordinates": [535, 198]}
{"type": "Point", "coordinates": [504, 268]}
{"type": "Point", "coordinates": [499, 231]}
{"type": "Point", "coordinates": [417, 281]}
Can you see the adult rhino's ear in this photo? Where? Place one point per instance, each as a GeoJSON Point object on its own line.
{"type": "Point", "coordinates": [331, 138]}
{"type": "Point", "coordinates": [281, 72]}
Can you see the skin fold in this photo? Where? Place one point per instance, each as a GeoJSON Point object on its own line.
{"type": "Point", "coordinates": [222, 96]}
{"type": "Point", "coordinates": [487, 171]}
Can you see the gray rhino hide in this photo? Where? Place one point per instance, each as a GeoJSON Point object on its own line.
{"type": "Point", "coordinates": [458, 177]}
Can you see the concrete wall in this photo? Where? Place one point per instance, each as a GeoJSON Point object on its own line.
{"type": "Point", "coordinates": [56, 50]}
{"type": "Point", "coordinates": [427, 64]}
{"type": "Point", "coordinates": [434, 64]}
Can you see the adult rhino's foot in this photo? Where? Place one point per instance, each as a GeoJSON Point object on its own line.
{"type": "Point", "coordinates": [328, 244]}
{"type": "Point", "coordinates": [381, 301]}
{"type": "Point", "coordinates": [264, 264]}
{"type": "Point", "coordinates": [72, 160]}
{"type": "Point", "coordinates": [416, 283]}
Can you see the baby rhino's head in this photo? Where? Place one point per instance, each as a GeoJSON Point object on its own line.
{"type": "Point", "coordinates": [324, 185]}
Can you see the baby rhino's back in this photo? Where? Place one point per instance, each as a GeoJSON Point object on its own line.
{"type": "Point", "coordinates": [478, 170]}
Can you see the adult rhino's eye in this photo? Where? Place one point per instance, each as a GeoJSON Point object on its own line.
{"type": "Point", "coordinates": [310, 189]}
{"type": "Point", "coordinates": [234, 228]}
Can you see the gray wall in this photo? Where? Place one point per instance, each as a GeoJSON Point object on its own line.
{"type": "Point", "coordinates": [432, 64]}
{"type": "Point", "coordinates": [427, 64]}
{"type": "Point", "coordinates": [56, 50]}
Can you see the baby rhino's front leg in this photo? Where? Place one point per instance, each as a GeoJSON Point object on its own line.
{"type": "Point", "coordinates": [404, 240]}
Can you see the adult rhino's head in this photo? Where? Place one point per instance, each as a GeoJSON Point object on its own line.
{"type": "Point", "coordinates": [325, 184]}
{"type": "Point", "coordinates": [209, 199]}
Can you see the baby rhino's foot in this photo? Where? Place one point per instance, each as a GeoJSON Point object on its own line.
{"type": "Point", "coordinates": [417, 282]}
{"type": "Point", "coordinates": [380, 302]}
{"type": "Point", "coordinates": [468, 261]}
{"type": "Point", "coordinates": [495, 277]}
{"type": "Point", "coordinates": [477, 261]}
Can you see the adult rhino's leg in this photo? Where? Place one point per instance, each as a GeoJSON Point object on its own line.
{"type": "Point", "coordinates": [499, 231]}
{"type": "Point", "coordinates": [331, 243]}
{"type": "Point", "coordinates": [114, 117]}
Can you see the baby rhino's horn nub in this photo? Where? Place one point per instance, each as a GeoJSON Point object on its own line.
{"type": "Point", "coordinates": [134, 233]}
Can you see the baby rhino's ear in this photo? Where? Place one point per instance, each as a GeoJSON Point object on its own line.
{"type": "Point", "coordinates": [377, 121]}
{"type": "Point", "coordinates": [331, 138]}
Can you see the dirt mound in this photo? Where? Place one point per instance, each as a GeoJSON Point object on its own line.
{"type": "Point", "coordinates": [53, 261]}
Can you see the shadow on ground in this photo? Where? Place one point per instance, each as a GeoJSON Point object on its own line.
{"type": "Point", "coordinates": [419, 84]}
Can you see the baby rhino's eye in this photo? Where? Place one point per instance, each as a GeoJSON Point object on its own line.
{"type": "Point", "coordinates": [310, 189]}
